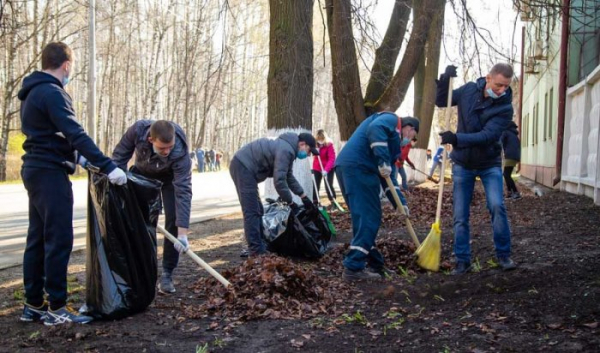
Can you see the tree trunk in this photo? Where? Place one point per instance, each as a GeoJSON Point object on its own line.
{"type": "Point", "coordinates": [347, 91]}
{"type": "Point", "coordinates": [394, 94]}
{"type": "Point", "coordinates": [290, 80]}
{"type": "Point", "coordinates": [428, 91]}
{"type": "Point", "coordinates": [387, 53]}
{"type": "Point", "coordinates": [8, 98]}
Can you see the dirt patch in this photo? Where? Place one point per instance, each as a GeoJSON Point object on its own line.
{"type": "Point", "coordinates": [549, 303]}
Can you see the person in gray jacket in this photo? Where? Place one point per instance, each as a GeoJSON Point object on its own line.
{"type": "Point", "coordinates": [161, 152]}
{"type": "Point", "coordinates": [262, 159]}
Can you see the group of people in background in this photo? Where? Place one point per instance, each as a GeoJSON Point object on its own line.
{"type": "Point", "coordinates": [207, 160]}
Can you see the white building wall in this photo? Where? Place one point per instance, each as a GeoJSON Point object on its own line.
{"type": "Point", "coordinates": [581, 160]}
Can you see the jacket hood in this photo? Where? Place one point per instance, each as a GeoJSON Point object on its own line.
{"type": "Point", "coordinates": [36, 78]}
{"type": "Point", "coordinates": [292, 139]}
{"type": "Point", "coordinates": [507, 98]}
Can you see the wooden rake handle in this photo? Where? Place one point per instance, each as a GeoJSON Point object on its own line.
{"type": "Point", "coordinates": [400, 209]}
{"type": "Point", "coordinates": [438, 212]}
{"type": "Point", "coordinates": [196, 258]}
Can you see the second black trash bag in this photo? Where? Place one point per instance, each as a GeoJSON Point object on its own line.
{"type": "Point", "coordinates": [121, 269]}
{"type": "Point", "coordinates": [305, 233]}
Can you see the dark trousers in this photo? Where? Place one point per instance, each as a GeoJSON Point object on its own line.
{"type": "Point", "coordinates": [318, 176]}
{"type": "Point", "coordinates": [510, 183]}
{"type": "Point", "coordinates": [361, 193]}
{"type": "Point", "coordinates": [252, 208]}
{"type": "Point", "coordinates": [49, 237]}
{"type": "Point", "coordinates": [200, 167]}
{"type": "Point", "coordinates": [170, 255]}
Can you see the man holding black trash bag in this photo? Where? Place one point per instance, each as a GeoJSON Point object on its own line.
{"type": "Point", "coordinates": [55, 143]}
{"type": "Point", "coordinates": [161, 153]}
{"type": "Point", "coordinates": [262, 159]}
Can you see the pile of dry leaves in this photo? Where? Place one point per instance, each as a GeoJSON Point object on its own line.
{"type": "Point", "coordinates": [269, 287]}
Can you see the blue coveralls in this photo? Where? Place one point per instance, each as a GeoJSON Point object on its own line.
{"type": "Point", "coordinates": [374, 143]}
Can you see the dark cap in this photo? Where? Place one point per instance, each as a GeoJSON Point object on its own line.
{"type": "Point", "coordinates": [310, 141]}
{"type": "Point", "coordinates": [414, 122]}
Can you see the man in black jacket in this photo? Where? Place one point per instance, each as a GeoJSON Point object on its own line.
{"type": "Point", "coordinates": [161, 152]}
{"type": "Point", "coordinates": [262, 159]}
{"type": "Point", "coordinates": [55, 143]}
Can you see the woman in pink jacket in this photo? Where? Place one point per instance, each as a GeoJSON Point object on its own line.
{"type": "Point", "coordinates": [327, 154]}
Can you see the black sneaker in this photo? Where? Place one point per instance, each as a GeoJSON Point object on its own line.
{"type": "Point", "coordinates": [65, 315]}
{"type": "Point", "coordinates": [506, 263]}
{"type": "Point", "coordinates": [245, 253]}
{"type": "Point", "coordinates": [461, 268]}
{"type": "Point", "coordinates": [32, 313]}
{"type": "Point", "coordinates": [362, 275]}
{"type": "Point", "coordinates": [165, 286]}
{"type": "Point", "coordinates": [509, 195]}
{"type": "Point", "coordinates": [516, 196]}
{"type": "Point", "coordinates": [384, 272]}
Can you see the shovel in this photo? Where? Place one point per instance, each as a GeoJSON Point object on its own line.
{"type": "Point", "coordinates": [196, 258]}
{"type": "Point", "coordinates": [337, 205]}
{"type": "Point", "coordinates": [323, 210]}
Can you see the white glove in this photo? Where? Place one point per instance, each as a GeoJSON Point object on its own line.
{"type": "Point", "coordinates": [117, 177]}
{"type": "Point", "coordinates": [81, 160]}
{"type": "Point", "coordinates": [182, 245]}
{"type": "Point", "coordinates": [385, 170]}
{"type": "Point", "coordinates": [406, 210]}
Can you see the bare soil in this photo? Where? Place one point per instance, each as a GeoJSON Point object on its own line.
{"type": "Point", "coordinates": [551, 302]}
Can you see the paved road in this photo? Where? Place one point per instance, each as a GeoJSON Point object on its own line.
{"type": "Point", "coordinates": [214, 195]}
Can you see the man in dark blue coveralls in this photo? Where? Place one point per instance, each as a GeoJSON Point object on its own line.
{"type": "Point", "coordinates": [361, 167]}
{"type": "Point", "coordinates": [55, 143]}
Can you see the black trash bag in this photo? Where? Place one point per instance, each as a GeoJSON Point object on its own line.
{"type": "Point", "coordinates": [121, 268]}
{"type": "Point", "coordinates": [304, 234]}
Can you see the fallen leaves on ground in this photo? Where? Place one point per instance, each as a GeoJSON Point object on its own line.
{"type": "Point", "coordinates": [269, 287]}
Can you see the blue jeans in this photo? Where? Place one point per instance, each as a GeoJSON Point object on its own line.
{"type": "Point", "coordinates": [464, 183]}
{"type": "Point", "coordinates": [402, 173]}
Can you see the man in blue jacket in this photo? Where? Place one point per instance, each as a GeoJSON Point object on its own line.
{"type": "Point", "coordinates": [161, 152]}
{"type": "Point", "coordinates": [361, 168]}
{"type": "Point", "coordinates": [54, 144]}
{"type": "Point", "coordinates": [484, 112]}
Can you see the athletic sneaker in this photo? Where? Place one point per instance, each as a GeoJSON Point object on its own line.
{"type": "Point", "coordinates": [516, 195]}
{"type": "Point", "coordinates": [65, 315]}
{"type": "Point", "coordinates": [32, 313]}
{"type": "Point", "coordinates": [165, 286]}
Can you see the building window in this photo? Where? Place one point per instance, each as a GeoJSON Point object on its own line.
{"type": "Point", "coordinates": [525, 131]}
{"type": "Point", "coordinates": [536, 119]}
{"type": "Point", "coordinates": [550, 113]}
{"type": "Point", "coordinates": [545, 116]}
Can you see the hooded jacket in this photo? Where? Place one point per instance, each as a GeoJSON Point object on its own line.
{"type": "Point", "coordinates": [327, 155]}
{"type": "Point", "coordinates": [510, 142]}
{"type": "Point", "coordinates": [481, 122]}
{"type": "Point", "coordinates": [53, 135]}
{"type": "Point", "coordinates": [268, 158]}
{"type": "Point", "coordinates": [176, 168]}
